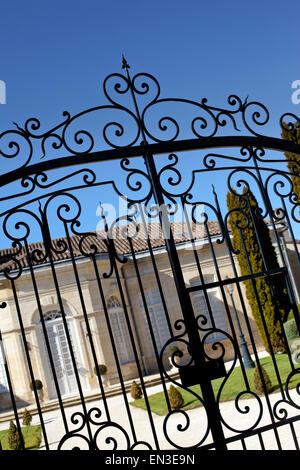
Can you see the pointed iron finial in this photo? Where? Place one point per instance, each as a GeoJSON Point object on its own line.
{"type": "Point", "coordinates": [101, 209]}
{"type": "Point", "coordinates": [246, 99]}
{"type": "Point", "coordinates": [125, 64]}
{"type": "Point", "coordinates": [216, 197]}
{"type": "Point", "coordinates": [217, 206]}
{"type": "Point", "coordinates": [40, 207]}
{"type": "Point", "coordinates": [103, 218]}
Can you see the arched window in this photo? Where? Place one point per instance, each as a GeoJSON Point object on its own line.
{"type": "Point", "coordinates": [52, 315]}
{"type": "Point", "coordinates": [120, 330]}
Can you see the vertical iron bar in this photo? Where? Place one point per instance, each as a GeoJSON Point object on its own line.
{"type": "Point", "coordinates": [149, 323]}
{"type": "Point", "coordinates": [130, 332]}
{"type": "Point", "coordinates": [269, 281]}
{"type": "Point", "coordinates": [141, 377]}
{"type": "Point", "coordinates": [294, 436]}
{"type": "Point", "coordinates": [187, 309]}
{"type": "Point", "coordinates": [167, 317]}
{"type": "Point", "coordinates": [12, 396]}
{"type": "Point", "coordinates": [115, 352]}
{"type": "Point", "coordinates": [261, 441]}
{"type": "Point", "coordinates": [243, 444]}
{"type": "Point", "coordinates": [114, 268]}
{"type": "Point", "coordinates": [242, 365]}
{"type": "Point", "coordinates": [46, 233]}
{"type": "Point", "coordinates": [75, 271]}
{"type": "Point", "coordinates": [241, 298]}
{"type": "Point", "coordinates": [268, 205]}
{"type": "Point", "coordinates": [205, 293]}
{"type": "Point", "coordinates": [29, 364]}
{"type": "Point", "coordinates": [36, 293]}
{"type": "Point", "coordinates": [184, 298]}
{"type": "Point", "coordinates": [269, 342]}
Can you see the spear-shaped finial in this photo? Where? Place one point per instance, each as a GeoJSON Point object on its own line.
{"type": "Point", "coordinates": [101, 208]}
{"type": "Point", "coordinates": [216, 198]}
{"type": "Point", "coordinates": [103, 217]}
{"type": "Point", "coordinates": [125, 64]}
{"type": "Point", "coordinates": [40, 207]}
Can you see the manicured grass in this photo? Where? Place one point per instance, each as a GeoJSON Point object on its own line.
{"type": "Point", "coordinates": [233, 386]}
{"type": "Point", "coordinates": [32, 437]}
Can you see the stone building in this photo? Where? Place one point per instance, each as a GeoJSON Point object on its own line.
{"type": "Point", "coordinates": [107, 313]}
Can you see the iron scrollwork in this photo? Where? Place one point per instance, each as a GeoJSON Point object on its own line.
{"type": "Point", "coordinates": [108, 436]}
{"type": "Point", "coordinates": [136, 128]}
{"type": "Point", "coordinates": [71, 136]}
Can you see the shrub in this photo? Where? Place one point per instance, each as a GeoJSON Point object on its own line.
{"type": "Point", "coordinates": [27, 418]}
{"type": "Point", "coordinates": [175, 397]}
{"type": "Point", "coordinates": [38, 385]}
{"type": "Point", "coordinates": [135, 391]}
{"type": "Point", "coordinates": [262, 384]}
{"type": "Point", "coordinates": [102, 369]}
{"type": "Point", "coordinates": [14, 438]}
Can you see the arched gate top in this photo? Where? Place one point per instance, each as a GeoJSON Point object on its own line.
{"type": "Point", "coordinates": [137, 125]}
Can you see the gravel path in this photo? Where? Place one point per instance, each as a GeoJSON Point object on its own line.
{"type": "Point", "coordinates": [191, 436]}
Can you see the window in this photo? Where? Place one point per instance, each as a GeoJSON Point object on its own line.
{"type": "Point", "coordinates": [157, 318]}
{"type": "Point", "coordinates": [61, 346]}
{"type": "Point", "coordinates": [52, 315]}
{"type": "Point", "coordinates": [3, 378]}
{"type": "Point", "coordinates": [120, 331]}
{"type": "Point", "coordinates": [217, 310]}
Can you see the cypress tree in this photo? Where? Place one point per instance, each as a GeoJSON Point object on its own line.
{"type": "Point", "coordinates": [264, 383]}
{"type": "Point", "coordinates": [27, 418]}
{"type": "Point", "coordinates": [175, 397]}
{"type": "Point", "coordinates": [293, 161]}
{"type": "Point", "coordinates": [269, 300]}
{"type": "Point", "coordinates": [135, 391]}
{"type": "Point", "coordinates": [14, 438]}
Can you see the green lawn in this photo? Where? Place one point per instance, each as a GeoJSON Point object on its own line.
{"type": "Point", "coordinates": [234, 385]}
{"type": "Point", "coordinates": [32, 437]}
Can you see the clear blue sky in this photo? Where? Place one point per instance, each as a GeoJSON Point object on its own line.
{"type": "Point", "coordinates": [55, 55]}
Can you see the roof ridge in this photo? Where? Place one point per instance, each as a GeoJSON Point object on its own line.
{"type": "Point", "coordinates": [152, 232]}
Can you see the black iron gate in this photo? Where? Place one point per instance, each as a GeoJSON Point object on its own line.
{"type": "Point", "coordinates": [178, 267]}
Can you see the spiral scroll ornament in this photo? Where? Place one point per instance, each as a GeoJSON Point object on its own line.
{"type": "Point", "coordinates": [138, 107]}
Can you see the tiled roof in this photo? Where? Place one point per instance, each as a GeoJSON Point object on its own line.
{"type": "Point", "coordinates": [81, 245]}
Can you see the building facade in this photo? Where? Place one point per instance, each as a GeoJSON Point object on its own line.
{"type": "Point", "coordinates": [76, 309]}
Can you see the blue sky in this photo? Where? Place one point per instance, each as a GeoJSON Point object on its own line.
{"type": "Point", "coordinates": [55, 55]}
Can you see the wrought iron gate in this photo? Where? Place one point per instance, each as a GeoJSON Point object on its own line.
{"type": "Point", "coordinates": [161, 274]}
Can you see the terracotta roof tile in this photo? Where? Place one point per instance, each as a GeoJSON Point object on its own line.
{"type": "Point", "coordinates": [82, 245]}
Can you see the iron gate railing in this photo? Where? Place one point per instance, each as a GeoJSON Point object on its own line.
{"type": "Point", "coordinates": [98, 280]}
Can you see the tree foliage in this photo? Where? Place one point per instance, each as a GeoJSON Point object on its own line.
{"type": "Point", "coordinates": [27, 418]}
{"type": "Point", "coordinates": [293, 161]}
{"type": "Point", "coordinates": [267, 297]}
{"type": "Point", "coordinates": [136, 391]}
{"type": "Point", "coordinates": [14, 438]}
{"type": "Point", "coordinates": [102, 369]}
{"type": "Point", "coordinates": [175, 397]}
{"type": "Point", "coordinates": [262, 381]}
